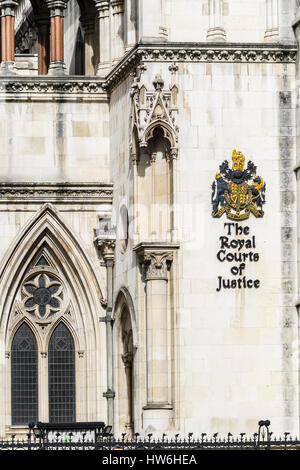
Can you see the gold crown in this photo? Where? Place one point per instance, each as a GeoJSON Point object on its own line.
{"type": "Point", "coordinates": [238, 160]}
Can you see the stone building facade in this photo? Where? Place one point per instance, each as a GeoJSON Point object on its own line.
{"type": "Point", "coordinates": [135, 287]}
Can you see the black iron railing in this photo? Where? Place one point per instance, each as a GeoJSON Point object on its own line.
{"type": "Point", "coordinates": [76, 436]}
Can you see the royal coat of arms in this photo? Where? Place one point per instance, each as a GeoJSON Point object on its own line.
{"type": "Point", "coordinates": [238, 191]}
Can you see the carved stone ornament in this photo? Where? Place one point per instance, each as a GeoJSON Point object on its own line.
{"type": "Point", "coordinates": [152, 109]}
{"type": "Point", "coordinates": [58, 193]}
{"type": "Point", "coordinates": [92, 89]}
{"type": "Point", "coordinates": [42, 296]}
{"type": "Point", "coordinates": [127, 359]}
{"type": "Point", "coordinates": [156, 265]}
{"type": "Point", "coordinates": [27, 43]}
{"type": "Point", "coordinates": [239, 191]}
{"type": "Point", "coordinates": [105, 239]}
{"type": "Point", "coordinates": [107, 248]}
{"type": "Point", "coordinates": [97, 88]}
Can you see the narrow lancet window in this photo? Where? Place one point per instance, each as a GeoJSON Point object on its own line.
{"type": "Point", "coordinates": [24, 377]}
{"type": "Point", "coordinates": [61, 370]}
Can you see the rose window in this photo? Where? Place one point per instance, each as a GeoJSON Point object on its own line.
{"type": "Point", "coordinates": [42, 295]}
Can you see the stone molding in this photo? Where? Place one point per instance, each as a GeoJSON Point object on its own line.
{"type": "Point", "coordinates": [201, 52]}
{"type": "Point", "coordinates": [172, 52]}
{"type": "Point", "coordinates": [56, 192]}
{"type": "Point", "coordinates": [212, 52]}
{"type": "Point", "coordinates": [62, 88]}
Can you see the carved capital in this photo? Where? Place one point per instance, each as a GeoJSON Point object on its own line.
{"type": "Point", "coordinates": [8, 7]}
{"type": "Point", "coordinates": [107, 249]}
{"type": "Point", "coordinates": [156, 259]}
{"type": "Point", "coordinates": [156, 265]}
{"type": "Point", "coordinates": [102, 6]}
{"type": "Point", "coordinates": [117, 6]}
{"type": "Point", "coordinates": [105, 240]}
{"type": "Point", "coordinates": [56, 7]}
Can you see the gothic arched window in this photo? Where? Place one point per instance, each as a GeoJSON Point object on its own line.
{"type": "Point", "coordinates": [61, 370]}
{"type": "Point", "coordinates": [24, 376]}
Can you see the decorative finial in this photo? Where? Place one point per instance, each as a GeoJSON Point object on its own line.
{"type": "Point", "coordinates": [158, 82]}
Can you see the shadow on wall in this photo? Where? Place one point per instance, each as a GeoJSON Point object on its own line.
{"type": "Point", "coordinates": [77, 61]}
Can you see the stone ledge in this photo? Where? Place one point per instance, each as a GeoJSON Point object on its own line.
{"type": "Point", "coordinates": [156, 246]}
{"type": "Point", "coordinates": [98, 88]}
{"type": "Point", "coordinates": [201, 52]}
{"type": "Point", "coordinates": [56, 192]}
{"type": "Point", "coordinates": [59, 88]}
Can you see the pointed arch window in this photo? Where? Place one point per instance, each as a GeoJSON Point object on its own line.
{"type": "Point", "coordinates": [61, 370]}
{"type": "Point", "coordinates": [24, 376]}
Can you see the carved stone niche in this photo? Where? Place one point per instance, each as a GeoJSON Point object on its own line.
{"type": "Point", "coordinates": [152, 109]}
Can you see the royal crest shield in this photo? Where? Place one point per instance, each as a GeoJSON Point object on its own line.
{"type": "Point", "coordinates": [237, 191]}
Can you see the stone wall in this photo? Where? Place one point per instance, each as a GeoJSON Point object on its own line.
{"type": "Point", "coordinates": [235, 346]}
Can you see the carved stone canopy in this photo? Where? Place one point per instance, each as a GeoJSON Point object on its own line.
{"type": "Point", "coordinates": [152, 109]}
{"type": "Point", "coordinates": [156, 259]}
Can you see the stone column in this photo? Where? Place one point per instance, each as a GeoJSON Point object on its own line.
{"type": "Point", "coordinates": [102, 7]}
{"type": "Point", "coordinates": [43, 25]}
{"type": "Point", "coordinates": [272, 21]}
{"type": "Point", "coordinates": [8, 9]}
{"type": "Point", "coordinates": [57, 64]}
{"type": "Point", "coordinates": [286, 17]}
{"type": "Point", "coordinates": [117, 32]}
{"type": "Point", "coordinates": [130, 23]}
{"type": "Point", "coordinates": [296, 27]}
{"type": "Point", "coordinates": [107, 249]}
{"type": "Point", "coordinates": [174, 204]}
{"type": "Point", "coordinates": [156, 261]}
{"type": "Point", "coordinates": [297, 16]}
{"type": "Point", "coordinates": [151, 21]}
{"type": "Point", "coordinates": [127, 359]}
{"type": "Point", "coordinates": [216, 32]}
{"type": "Point", "coordinates": [88, 26]}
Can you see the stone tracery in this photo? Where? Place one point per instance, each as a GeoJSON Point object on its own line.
{"type": "Point", "coordinates": [43, 295]}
